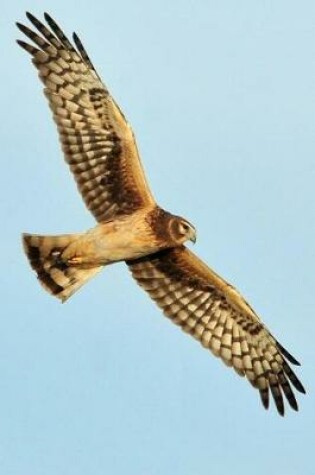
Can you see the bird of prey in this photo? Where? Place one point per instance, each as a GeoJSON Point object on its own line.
{"type": "Point", "coordinates": [100, 149]}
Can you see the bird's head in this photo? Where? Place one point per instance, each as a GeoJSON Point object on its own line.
{"type": "Point", "coordinates": [181, 230]}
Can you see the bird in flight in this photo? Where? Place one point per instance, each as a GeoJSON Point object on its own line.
{"type": "Point", "coordinates": [100, 149]}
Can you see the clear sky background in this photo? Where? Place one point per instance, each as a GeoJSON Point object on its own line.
{"type": "Point", "coordinates": [221, 97]}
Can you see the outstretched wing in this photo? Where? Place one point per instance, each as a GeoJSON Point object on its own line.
{"type": "Point", "coordinates": [97, 141]}
{"type": "Point", "coordinates": [204, 305]}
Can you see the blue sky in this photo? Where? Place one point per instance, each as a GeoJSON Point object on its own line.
{"type": "Point", "coordinates": [221, 98]}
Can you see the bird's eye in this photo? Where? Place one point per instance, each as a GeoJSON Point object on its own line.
{"type": "Point", "coordinates": [184, 227]}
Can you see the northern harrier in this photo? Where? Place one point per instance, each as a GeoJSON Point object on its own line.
{"type": "Point", "coordinates": [100, 148]}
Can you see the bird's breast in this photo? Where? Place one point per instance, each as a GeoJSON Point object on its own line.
{"type": "Point", "coordinates": [121, 239]}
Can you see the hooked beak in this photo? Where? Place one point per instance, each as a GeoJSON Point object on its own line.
{"type": "Point", "coordinates": [193, 238]}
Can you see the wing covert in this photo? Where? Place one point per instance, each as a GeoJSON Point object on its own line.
{"type": "Point", "coordinates": [97, 141]}
{"type": "Point", "coordinates": [211, 310]}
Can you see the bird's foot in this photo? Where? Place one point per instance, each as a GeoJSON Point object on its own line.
{"type": "Point", "coordinates": [75, 261]}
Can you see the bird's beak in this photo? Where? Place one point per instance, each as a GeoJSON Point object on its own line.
{"type": "Point", "coordinates": [193, 238]}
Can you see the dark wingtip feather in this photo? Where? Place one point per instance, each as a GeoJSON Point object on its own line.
{"type": "Point", "coordinates": [264, 396]}
{"type": "Point", "coordinates": [20, 26]}
{"type": "Point", "coordinates": [277, 396]}
{"type": "Point", "coordinates": [82, 51]}
{"type": "Point", "coordinates": [301, 388]}
{"type": "Point", "coordinates": [47, 16]}
{"type": "Point", "coordinates": [280, 405]}
{"type": "Point", "coordinates": [292, 400]}
{"type": "Point", "coordinates": [51, 22]}
{"type": "Point", "coordinates": [31, 17]}
{"type": "Point", "coordinates": [77, 41]}
{"type": "Point", "coordinates": [280, 409]}
{"type": "Point", "coordinates": [287, 390]}
{"type": "Point", "coordinates": [29, 48]}
{"type": "Point", "coordinates": [80, 47]}
{"type": "Point", "coordinates": [293, 378]}
{"type": "Point", "coordinates": [288, 355]}
{"type": "Point", "coordinates": [58, 32]}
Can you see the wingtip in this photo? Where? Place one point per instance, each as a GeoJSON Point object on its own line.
{"type": "Point", "coordinates": [29, 15]}
{"type": "Point", "coordinates": [19, 25]}
{"type": "Point", "coordinates": [265, 405]}
{"type": "Point", "coordinates": [47, 16]}
{"type": "Point", "coordinates": [264, 396]}
{"type": "Point", "coordinates": [27, 47]}
{"type": "Point", "coordinates": [76, 40]}
{"type": "Point", "coordinates": [288, 355]}
{"type": "Point", "coordinates": [299, 386]}
{"type": "Point", "coordinates": [51, 22]}
{"type": "Point", "coordinates": [280, 406]}
{"type": "Point", "coordinates": [302, 389]}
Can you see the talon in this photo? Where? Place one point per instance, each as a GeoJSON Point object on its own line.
{"type": "Point", "coordinates": [74, 261]}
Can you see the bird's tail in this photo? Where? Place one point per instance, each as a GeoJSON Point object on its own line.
{"type": "Point", "coordinates": [56, 274]}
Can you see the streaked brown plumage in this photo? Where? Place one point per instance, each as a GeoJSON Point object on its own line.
{"type": "Point", "coordinates": [100, 148]}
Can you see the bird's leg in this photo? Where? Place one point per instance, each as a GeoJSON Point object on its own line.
{"type": "Point", "coordinates": [74, 261]}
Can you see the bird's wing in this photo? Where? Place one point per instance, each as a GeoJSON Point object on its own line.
{"type": "Point", "coordinates": [204, 305]}
{"type": "Point", "coordinates": [97, 141]}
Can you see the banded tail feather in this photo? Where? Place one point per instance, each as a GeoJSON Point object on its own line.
{"type": "Point", "coordinates": [55, 273]}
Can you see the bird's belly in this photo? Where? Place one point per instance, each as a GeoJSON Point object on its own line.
{"type": "Point", "coordinates": [117, 250]}
{"type": "Point", "coordinates": [104, 248]}
{"type": "Point", "coordinates": [124, 253]}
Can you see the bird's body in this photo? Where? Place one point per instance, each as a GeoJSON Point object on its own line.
{"type": "Point", "coordinates": [100, 149]}
{"type": "Point", "coordinates": [127, 237]}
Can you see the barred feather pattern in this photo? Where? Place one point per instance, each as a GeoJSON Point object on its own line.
{"type": "Point", "coordinates": [97, 141]}
{"type": "Point", "coordinates": [211, 310]}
